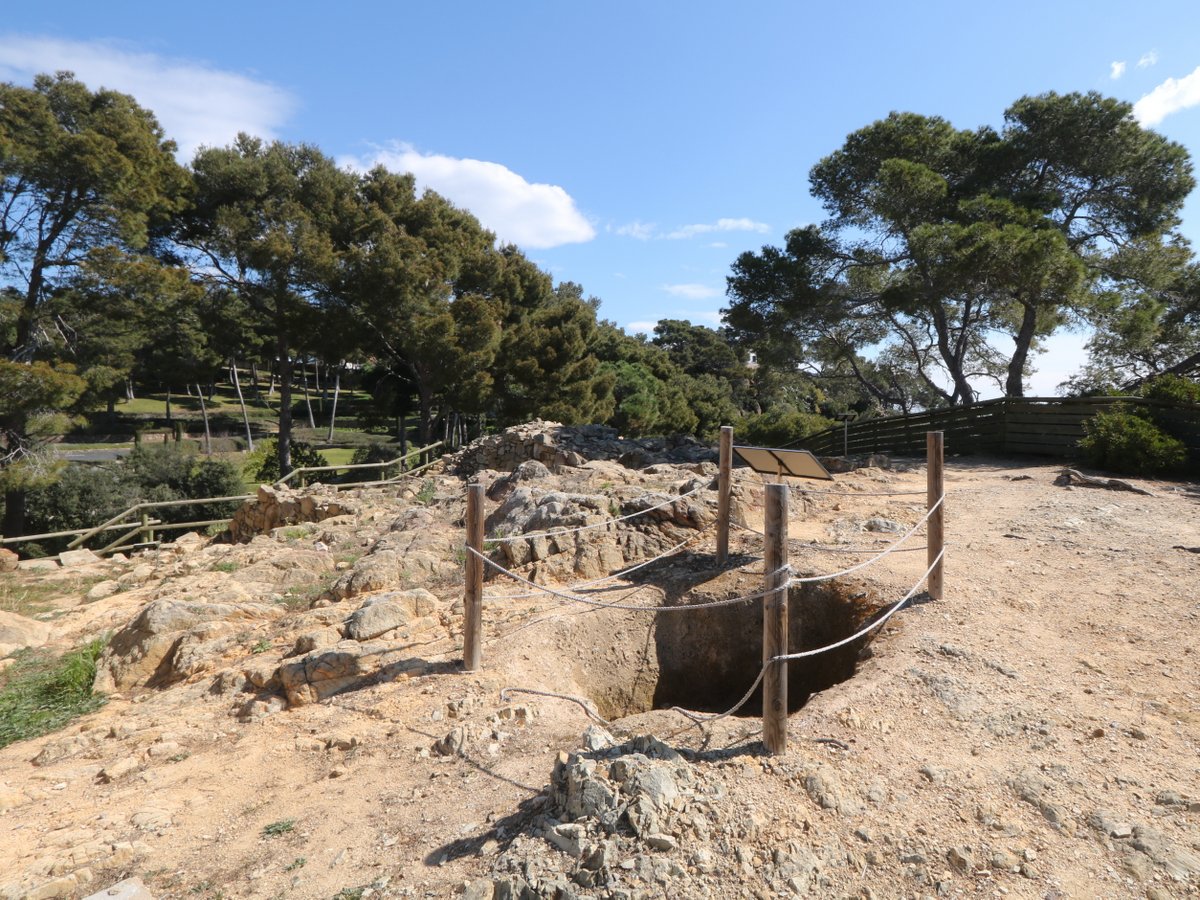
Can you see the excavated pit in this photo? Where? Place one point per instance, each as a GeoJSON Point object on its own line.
{"type": "Point", "coordinates": [706, 659]}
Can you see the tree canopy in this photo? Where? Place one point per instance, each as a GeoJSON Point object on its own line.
{"type": "Point", "coordinates": [953, 251]}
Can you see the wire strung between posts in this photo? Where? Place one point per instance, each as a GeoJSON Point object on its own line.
{"type": "Point", "coordinates": [701, 718]}
{"type": "Point", "coordinates": [620, 574]}
{"type": "Point", "coordinates": [587, 601]}
{"type": "Point", "coordinates": [562, 531]}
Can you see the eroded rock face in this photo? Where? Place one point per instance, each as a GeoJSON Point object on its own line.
{"type": "Point", "coordinates": [387, 612]}
{"type": "Point", "coordinates": [277, 506]}
{"type": "Point", "coordinates": [560, 447]}
{"type": "Point", "coordinates": [416, 549]}
{"type": "Point", "coordinates": [18, 632]}
{"type": "Point", "coordinates": [169, 640]}
{"type": "Point", "coordinates": [611, 538]}
{"type": "Point", "coordinates": [330, 670]}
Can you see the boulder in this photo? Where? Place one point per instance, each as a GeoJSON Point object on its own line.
{"type": "Point", "coordinates": [18, 632]}
{"type": "Point", "coordinates": [331, 670]}
{"type": "Point", "coordinates": [8, 560]}
{"type": "Point", "coordinates": [273, 507]}
{"type": "Point", "coordinates": [82, 557]}
{"type": "Point", "coordinates": [163, 636]}
{"type": "Point", "coordinates": [387, 612]}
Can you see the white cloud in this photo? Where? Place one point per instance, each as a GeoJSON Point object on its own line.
{"type": "Point", "coordinates": [533, 216]}
{"type": "Point", "coordinates": [195, 103]}
{"type": "Point", "coordinates": [718, 245]}
{"type": "Point", "coordinates": [641, 231]}
{"type": "Point", "coordinates": [640, 327]}
{"type": "Point", "coordinates": [690, 231]}
{"type": "Point", "coordinates": [692, 291]}
{"type": "Point", "coordinates": [645, 231]}
{"type": "Point", "coordinates": [1117, 69]}
{"type": "Point", "coordinates": [1147, 60]}
{"type": "Point", "coordinates": [1169, 97]}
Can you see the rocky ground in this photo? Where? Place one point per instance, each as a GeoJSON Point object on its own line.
{"type": "Point", "coordinates": [288, 716]}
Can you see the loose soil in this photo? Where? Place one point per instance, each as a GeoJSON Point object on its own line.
{"type": "Point", "coordinates": [1036, 733]}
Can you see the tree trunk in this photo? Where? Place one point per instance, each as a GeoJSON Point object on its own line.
{"type": "Point", "coordinates": [242, 403]}
{"type": "Point", "coordinates": [337, 387]}
{"type": "Point", "coordinates": [129, 390]}
{"type": "Point", "coordinates": [1014, 385]}
{"type": "Point", "coordinates": [271, 386]}
{"type": "Point", "coordinates": [204, 414]}
{"type": "Point", "coordinates": [169, 419]}
{"type": "Point", "coordinates": [402, 427]}
{"type": "Point", "coordinates": [312, 423]}
{"type": "Point", "coordinates": [285, 405]}
{"type": "Point", "coordinates": [425, 402]}
{"type": "Point", "coordinates": [254, 380]}
{"type": "Point", "coordinates": [14, 513]}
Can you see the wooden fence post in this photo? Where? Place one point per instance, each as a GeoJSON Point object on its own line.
{"type": "Point", "coordinates": [775, 619]}
{"type": "Point", "coordinates": [724, 490]}
{"type": "Point", "coordinates": [936, 531]}
{"type": "Point", "coordinates": [473, 596]}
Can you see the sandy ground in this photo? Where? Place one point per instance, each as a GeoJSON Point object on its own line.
{"type": "Point", "coordinates": [1036, 733]}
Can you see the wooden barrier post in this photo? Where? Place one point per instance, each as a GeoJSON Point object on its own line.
{"type": "Point", "coordinates": [775, 619]}
{"type": "Point", "coordinates": [473, 595]}
{"type": "Point", "coordinates": [936, 531]}
{"type": "Point", "coordinates": [724, 490]}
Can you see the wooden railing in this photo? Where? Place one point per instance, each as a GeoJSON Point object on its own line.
{"type": "Point", "coordinates": [1049, 426]}
{"type": "Point", "coordinates": [145, 526]}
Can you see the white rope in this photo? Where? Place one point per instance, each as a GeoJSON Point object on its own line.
{"type": "Point", "coordinates": [582, 704]}
{"type": "Point", "coordinates": [862, 494]}
{"type": "Point", "coordinates": [620, 574]}
{"type": "Point", "coordinates": [889, 549]}
{"type": "Point", "coordinates": [655, 609]}
{"type": "Point", "coordinates": [701, 718]}
{"type": "Point", "coordinates": [562, 531]}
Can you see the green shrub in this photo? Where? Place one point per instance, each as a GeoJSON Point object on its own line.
{"type": "Point", "coordinates": [1120, 441]}
{"type": "Point", "coordinates": [263, 464]}
{"type": "Point", "coordinates": [41, 694]}
{"type": "Point", "coordinates": [777, 427]}
{"type": "Point", "coordinates": [1172, 387]}
{"type": "Point", "coordinates": [374, 453]}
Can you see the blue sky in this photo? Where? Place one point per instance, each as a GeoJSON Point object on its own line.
{"type": "Point", "coordinates": [636, 148]}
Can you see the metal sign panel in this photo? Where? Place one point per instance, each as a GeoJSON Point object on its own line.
{"type": "Point", "coordinates": [793, 463]}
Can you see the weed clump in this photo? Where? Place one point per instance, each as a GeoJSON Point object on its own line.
{"type": "Point", "coordinates": [41, 693]}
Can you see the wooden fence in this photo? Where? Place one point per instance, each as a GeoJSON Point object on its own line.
{"type": "Point", "coordinates": [1048, 426]}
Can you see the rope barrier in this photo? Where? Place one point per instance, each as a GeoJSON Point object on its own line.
{"type": "Point", "coordinates": [890, 548]}
{"type": "Point", "coordinates": [587, 601]}
{"type": "Point", "coordinates": [805, 490]}
{"type": "Point", "coordinates": [587, 584]}
{"type": "Point", "coordinates": [701, 718]}
{"type": "Point", "coordinates": [582, 704]}
{"type": "Point", "coordinates": [563, 531]}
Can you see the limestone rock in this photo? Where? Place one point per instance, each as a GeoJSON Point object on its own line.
{"type": "Point", "coordinates": [144, 652]}
{"type": "Point", "coordinates": [129, 889]}
{"type": "Point", "coordinates": [81, 557]}
{"type": "Point", "coordinates": [386, 612]}
{"type": "Point", "coordinates": [277, 506]}
{"type": "Point", "coordinates": [18, 632]}
{"type": "Point", "coordinates": [8, 560]}
{"type": "Point", "coordinates": [325, 672]}
{"type": "Point", "coordinates": [101, 590]}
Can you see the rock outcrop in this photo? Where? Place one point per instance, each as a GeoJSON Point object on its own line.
{"type": "Point", "coordinates": [558, 446]}
{"type": "Point", "coordinates": [273, 507]}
